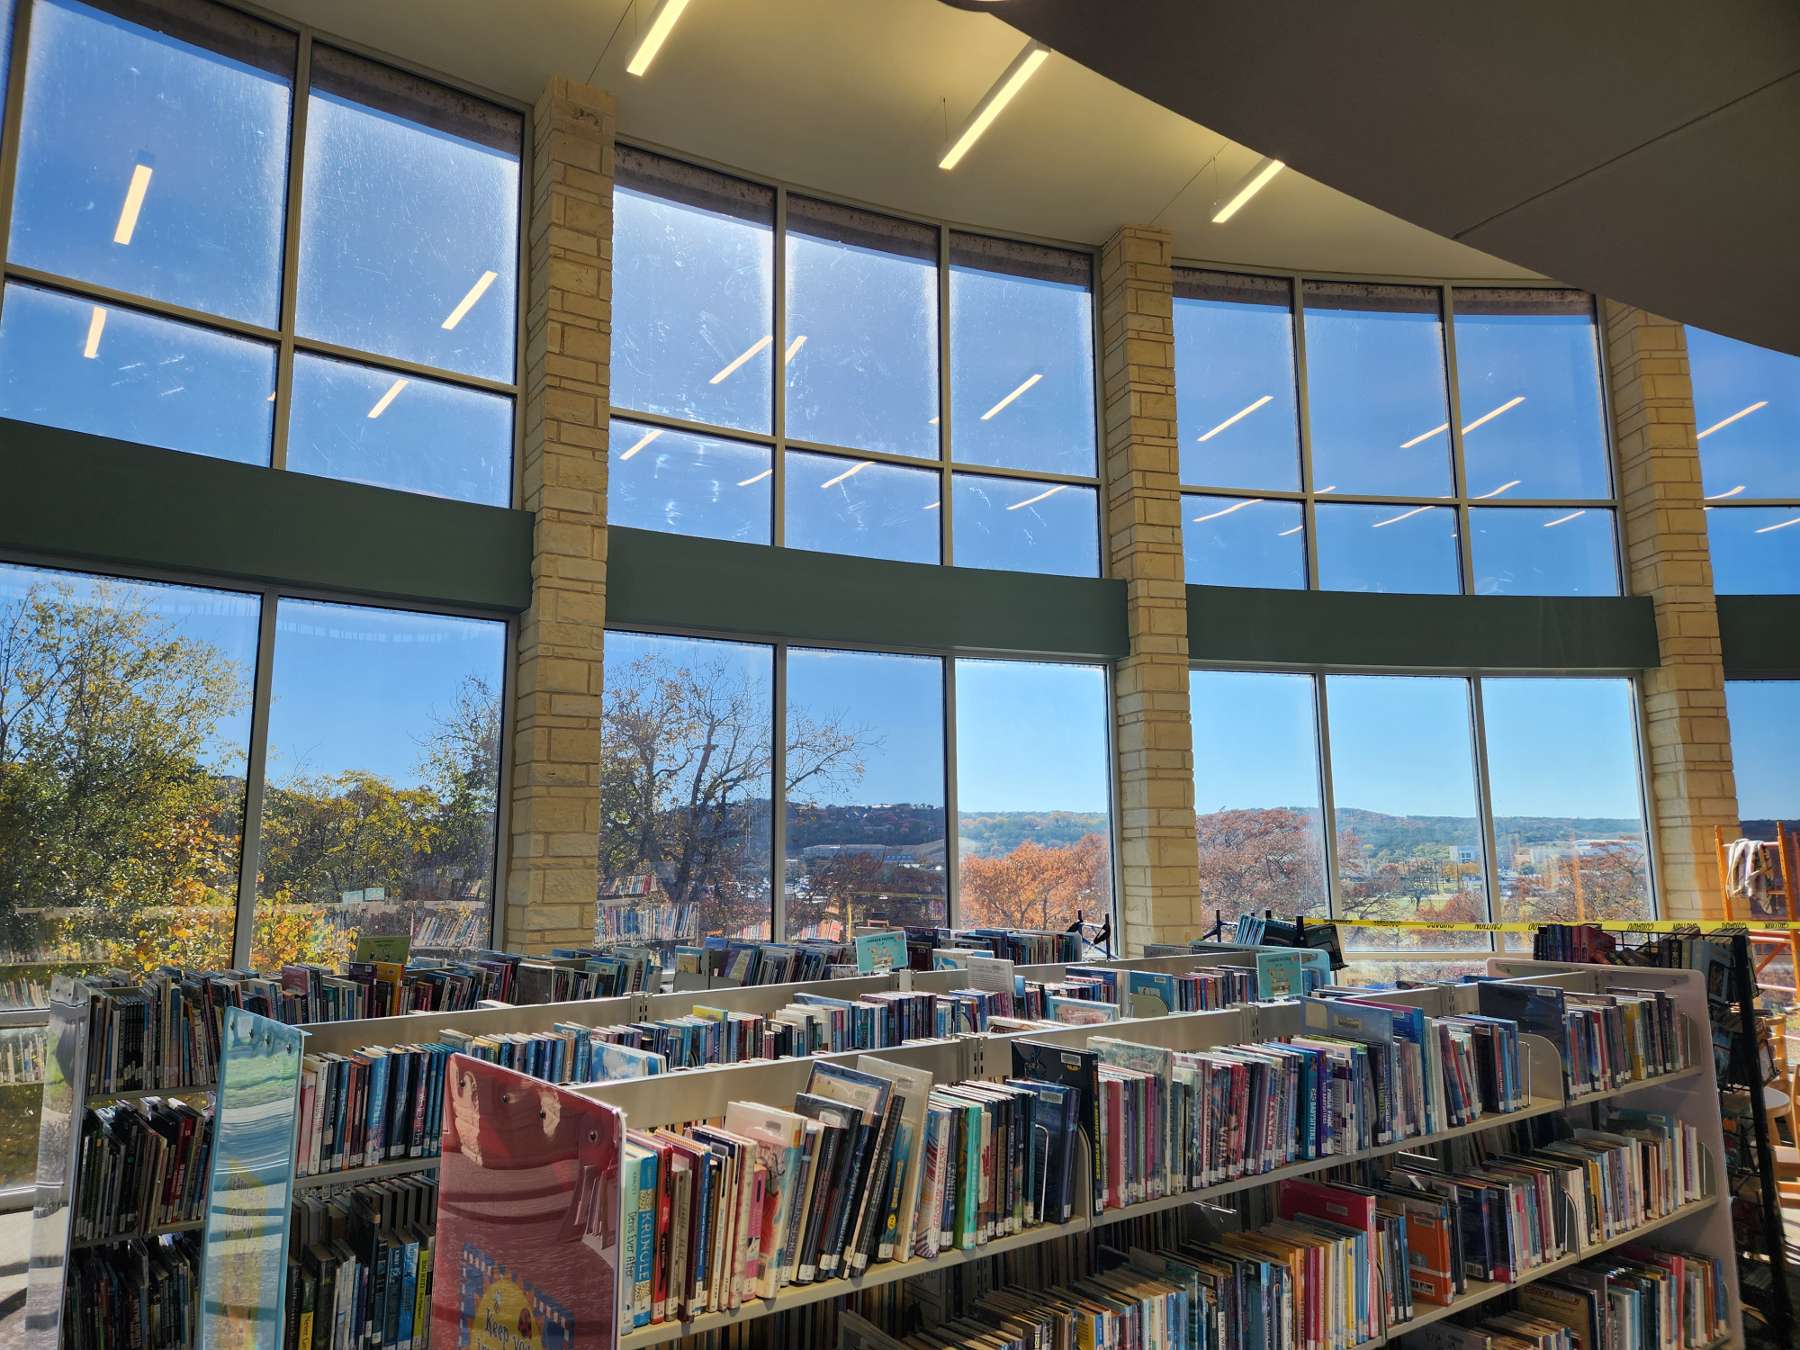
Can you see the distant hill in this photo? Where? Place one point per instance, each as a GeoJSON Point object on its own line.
{"type": "Point", "coordinates": [993, 834]}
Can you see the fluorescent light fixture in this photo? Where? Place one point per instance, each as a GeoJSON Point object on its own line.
{"type": "Point", "coordinates": [1487, 417]}
{"type": "Point", "coordinates": [850, 472]}
{"type": "Point", "coordinates": [1030, 380]}
{"type": "Point", "coordinates": [932, 423]}
{"type": "Point", "coordinates": [930, 506]}
{"type": "Point", "coordinates": [96, 326]}
{"type": "Point", "coordinates": [750, 351]}
{"type": "Point", "coordinates": [1285, 533]}
{"type": "Point", "coordinates": [1331, 488]}
{"type": "Point", "coordinates": [1728, 492]}
{"type": "Point", "coordinates": [134, 202]}
{"type": "Point", "coordinates": [661, 22]}
{"type": "Point", "coordinates": [1425, 436]}
{"type": "Point", "coordinates": [1395, 520]}
{"type": "Point", "coordinates": [1564, 520]}
{"type": "Point", "coordinates": [1000, 93]}
{"type": "Point", "coordinates": [1779, 525]}
{"type": "Point", "coordinates": [381, 404]}
{"type": "Point", "coordinates": [1253, 182]}
{"type": "Point", "coordinates": [1227, 510]}
{"type": "Point", "coordinates": [642, 441]}
{"type": "Point", "coordinates": [467, 303]}
{"type": "Point", "coordinates": [1504, 487]}
{"type": "Point", "coordinates": [1237, 416]}
{"type": "Point", "coordinates": [1724, 422]}
{"type": "Point", "coordinates": [1033, 501]}
{"type": "Point", "coordinates": [754, 478]}
{"type": "Point", "coordinates": [794, 348]}
{"type": "Point", "coordinates": [271, 397]}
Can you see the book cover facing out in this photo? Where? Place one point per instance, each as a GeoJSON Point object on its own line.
{"type": "Point", "coordinates": [527, 1251]}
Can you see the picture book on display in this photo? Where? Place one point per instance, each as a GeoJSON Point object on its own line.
{"type": "Point", "coordinates": [527, 1231]}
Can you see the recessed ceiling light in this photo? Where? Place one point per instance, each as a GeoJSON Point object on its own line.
{"type": "Point", "coordinates": [1033, 501]}
{"type": "Point", "coordinates": [847, 473]}
{"type": "Point", "coordinates": [96, 326]}
{"type": "Point", "coordinates": [1237, 416]}
{"type": "Point", "coordinates": [1489, 416]}
{"type": "Point", "coordinates": [793, 348]}
{"type": "Point", "coordinates": [1252, 183]}
{"type": "Point", "coordinates": [381, 404]}
{"type": "Point", "coordinates": [999, 94]}
{"type": "Point", "coordinates": [661, 22]}
{"type": "Point", "coordinates": [1395, 520]}
{"type": "Point", "coordinates": [1729, 492]}
{"type": "Point", "coordinates": [1030, 380]}
{"type": "Point", "coordinates": [1564, 520]}
{"type": "Point", "coordinates": [1227, 510]}
{"type": "Point", "coordinates": [1779, 525]}
{"type": "Point", "coordinates": [467, 303]}
{"type": "Point", "coordinates": [732, 366]}
{"type": "Point", "coordinates": [134, 203]}
{"type": "Point", "coordinates": [1504, 487]}
{"type": "Point", "coordinates": [1724, 422]}
{"type": "Point", "coordinates": [641, 442]}
{"type": "Point", "coordinates": [754, 478]}
{"type": "Point", "coordinates": [1438, 430]}
{"type": "Point", "coordinates": [930, 506]}
{"type": "Point", "coordinates": [1285, 533]}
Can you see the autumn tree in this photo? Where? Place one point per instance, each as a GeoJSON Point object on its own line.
{"type": "Point", "coordinates": [1257, 859]}
{"type": "Point", "coordinates": [857, 886]}
{"type": "Point", "coordinates": [1037, 887]}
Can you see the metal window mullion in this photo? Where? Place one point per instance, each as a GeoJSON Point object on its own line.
{"type": "Point", "coordinates": [521, 288]}
{"type": "Point", "coordinates": [255, 776]}
{"type": "Point", "coordinates": [11, 119]}
{"type": "Point", "coordinates": [1303, 412]}
{"type": "Point", "coordinates": [1114, 841]}
{"type": "Point", "coordinates": [1102, 491]}
{"type": "Point", "coordinates": [1327, 796]}
{"type": "Point", "coordinates": [952, 823]}
{"type": "Point", "coordinates": [502, 858]}
{"type": "Point", "coordinates": [1465, 543]}
{"type": "Point", "coordinates": [1621, 555]}
{"type": "Point", "coordinates": [778, 915]}
{"type": "Point", "coordinates": [290, 251]}
{"type": "Point", "coordinates": [1484, 804]}
{"type": "Point", "coordinates": [946, 539]}
{"type": "Point", "coordinates": [1646, 806]}
{"type": "Point", "coordinates": [778, 408]}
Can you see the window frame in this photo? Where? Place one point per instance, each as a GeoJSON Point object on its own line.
{"type": "Point", "coordinates": [779, 646]}
{"type": "Point", "coordinates": [284, 337]}
{"type": "Point", "coordinates": [1459, 500]}
{"type": "Point", "coordinates": [1472, 678]}
{"type": "Point", "coordinates": [944, 463]}
{"type": "Point", "coordinates": [262, 692]}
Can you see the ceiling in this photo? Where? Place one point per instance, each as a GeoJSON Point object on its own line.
{"type": "Point", "coordinates": [855, 98]}
{"type": "Point", "coordinates": [1644, 149]}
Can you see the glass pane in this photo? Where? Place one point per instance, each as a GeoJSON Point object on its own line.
{"type": "Point", "coordinates": [686, 759]}
{"type": "Point", "coordinates": [371, 426]}
{"type": "Point", "coordinates": [1392, 972]}
{"type": "Point", "coordinates": [383, 781]}
{"type": "Point", "coordinates": [1747, 416]}
{"type": "Point", "coordinates": [693, 293]}
{"type": "Point", "coordinates": [22, 1051]}
{"type": "Point", "coordinates": [862, 330]}
{"type": "Point", "coordinates": [863, 507]}
{"type": "Point", "coordinates": [1524, 550]}
{"type": "Point", "coordinates": [125, 374]}
{"type": "Point", "coordinates": [409, 219]}
{"type": "Point", "coordinates": [1021, 356]}
{"type": "Point", "coordinates": [153, 152]}
{"type": "Point", "coordinates": [1013, 525]}
{"type": "Point", "coordinates": [1403, 793]}
{"type": "Point", "coordinates": [1375, 389]}
{"type": "Point", "coordinates": [702, 486]}
{"type": "Point", "coordinates": [1388, 548]}
{"type": "Point", "coordinates": [1258, 812]}
{"type": "Point", "coordinates": [1763, 715]}
{"type": "Point", "coordinates": [865, 791]}
{"type": "Point", "coordinates": [1528, 374]}
{"type": "Point", "coordinates": [1567, 794]}
{"type": "Point", "coordinates": [1755, 549]}
{"type": "Point", "coordinates": [1234, 381]}
{"type": "Point", "coordinates": [124, 736]}
{"type": "Point", "coordinates": [1243, 541]}
{"type": "Point", "coordinates": [1033, 794]}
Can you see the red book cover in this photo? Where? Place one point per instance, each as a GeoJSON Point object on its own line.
{"type": "Point", "coordinates": [527, 1249]}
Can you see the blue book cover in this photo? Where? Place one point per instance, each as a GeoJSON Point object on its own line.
{"type": "Point", "coordinates": [1151, 993]}
{"type": "Point", "coordinates": [877, 952]}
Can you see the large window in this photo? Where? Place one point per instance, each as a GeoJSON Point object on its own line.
{"type": "Point", "coordinates": [1763, 716]}
{"type": "Point", "coordinates": [1747, 418]}
{"type": "Point", "coordinates": [1389, 475]}
{"type": "Point", "coordinates": [148, 291]}
{"type": "Point", "coordinates": [383, 776]}
{"type": "Point", "coordinates": [826, 416]}
{"type": "Point", "coordinates": [694, 739]}
{"type": "Point", "coordinates": [1428, 820]}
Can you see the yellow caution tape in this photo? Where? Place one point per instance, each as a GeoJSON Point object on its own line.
{"type": "Point", "coordinates": [1610, 925]}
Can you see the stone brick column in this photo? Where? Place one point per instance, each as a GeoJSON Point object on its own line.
{"type": "Point", "coordinates": [553, 875]}
{"type": "Point", "coordinates": [1159, 863]}
{"type": "Point", "coordinates": [1668, 559]}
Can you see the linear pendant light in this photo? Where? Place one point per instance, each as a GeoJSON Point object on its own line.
{"type": "Point", "coordinates": [661, 22]}
{"type": "Point", "coordinates": [1001, 93]}
{"type": "Point", "coordinates": [1252, 183]}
